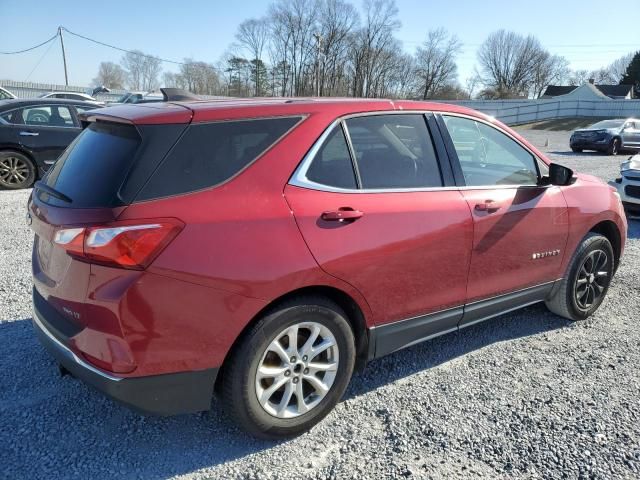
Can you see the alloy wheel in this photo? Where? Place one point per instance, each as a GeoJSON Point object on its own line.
{"type": "Point", "coordinates": [13, 170]}
{"type": "Point", "coordinates": [592, 279]}
{"type": "Point", "coordinates": [297, 370]}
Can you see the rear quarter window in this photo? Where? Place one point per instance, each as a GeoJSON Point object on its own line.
{"type": "Point", "coordinates": [211, 153]}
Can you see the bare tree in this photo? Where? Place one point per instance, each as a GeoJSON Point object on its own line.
{"type": "Point", "coordinates": [253, 36]}
{"type": "Point", "coordinates": [293, 24]}
{"type": "Point", "coordinates": [372, 46]}
{"type": "Point", "coordinates": [578, 77]}
{"type": "Point", "coordinates": [507, 62]}
{"type": "Point", "coordinates": [151, 69]}
{"type": "Point", "coordinates": [142, 70]}
{"type": "Point", "coordinates": [435, 61]}
{"type": "Point", "coordinates": [550, 69]}
{"type": "Point", "coordinates": [110, 75]}
{"type": "Point", "coordinates": [337, 22]}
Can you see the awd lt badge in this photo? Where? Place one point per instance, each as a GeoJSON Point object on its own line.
{"type": "Point", "coordinates": [538, 255]}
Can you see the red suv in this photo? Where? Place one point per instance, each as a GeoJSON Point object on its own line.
{"type": "Point", "coordinates": [266, 248]}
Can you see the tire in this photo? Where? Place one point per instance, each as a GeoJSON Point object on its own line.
{"type": "Point", "coordinates": [569, 300]}
{"type": "Point", "coordinates": [16, 171]}
{"type": "Point", "coordinates": [251, 400]}
{"type": "Point", "coordinates": [614, 147]}
{"type": "Point", "coordinates": [576, 150]}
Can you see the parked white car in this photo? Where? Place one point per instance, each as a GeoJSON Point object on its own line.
{"type": "Point", "coordinates": [628, 184]}
{"type": "Point", "coordinates": [72, 96]}
{"type": "Point", "coordinates": [6, 94]}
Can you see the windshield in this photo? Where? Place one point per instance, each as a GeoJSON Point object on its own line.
{"type": "Point", "coordinates": [608, 124]}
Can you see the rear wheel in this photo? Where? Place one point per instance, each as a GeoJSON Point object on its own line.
{"type": "Point", "coordinates": [16, 171]}
{"type": "Point", "coordinates": [576, 149]}
{"type": "Point", "coordinates": [582, 291]}
{"type": "Point", "coordinates": [290, 369]}
{"type": "Point", "coordinates": [614, 147]}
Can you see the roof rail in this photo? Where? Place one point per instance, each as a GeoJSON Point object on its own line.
{"type": "Point", "coordinates": [178, 95]}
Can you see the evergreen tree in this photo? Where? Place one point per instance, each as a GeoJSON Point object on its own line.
{"type": "Point", "coordinates": [632, 74]}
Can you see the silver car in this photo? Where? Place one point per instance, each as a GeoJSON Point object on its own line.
{"type": "Point", "coordinates": [609, 136]}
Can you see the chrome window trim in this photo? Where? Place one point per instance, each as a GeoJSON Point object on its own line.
{"type": "Point", "coordinates": [299, 177]}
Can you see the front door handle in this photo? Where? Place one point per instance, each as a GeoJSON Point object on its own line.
{"type": "Point", "coordinates": [488, 206]}
{"type": "Point", "coordinates": [343, 214]}
{"type": "Point", "coordinates": [29, 134]}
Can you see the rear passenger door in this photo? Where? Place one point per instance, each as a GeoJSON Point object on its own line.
{"type": "Point", "coordinates": [45, 131]}
{"type": "Point", "coordinates": [520, 223]}
{"type": "Point", "coordinates": [631, 134]}
{"type": "Point", "coordinates": [371, 203]}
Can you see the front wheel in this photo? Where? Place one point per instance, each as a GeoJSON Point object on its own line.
{"type": "Point", "coordinates": [583, 289]}
{"type": "Point", "coordinates": [614, 147]}
{"type": "Point", "coordinates": [290, 369]}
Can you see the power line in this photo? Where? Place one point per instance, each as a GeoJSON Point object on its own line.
{"type": "Point", "coordinates": [40, 61]}
{"type": "Point", "coordinates": [30, 48]}
{"type": "Point", "coordinates": [122, 49]}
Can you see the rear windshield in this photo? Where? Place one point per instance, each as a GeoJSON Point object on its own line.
{"type": "Point", "coordinates": [94, 166]}
{"type": "Point", "coordinates": [211, 153]}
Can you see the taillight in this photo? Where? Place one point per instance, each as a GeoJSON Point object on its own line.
{"type": "Point", "coordinates": [121, 244]}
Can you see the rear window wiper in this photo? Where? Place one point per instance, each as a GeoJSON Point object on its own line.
{"type": "Point", "coordinates": [52, 191]}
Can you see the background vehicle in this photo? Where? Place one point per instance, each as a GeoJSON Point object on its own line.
{"type": "Point", "coordinates": [33, 134]}
{"type": "Point", "coordinates": [139, 97]}
{"type": "Point", "coordinates": [6, 94]}
{"type": "Point", "coordinates": [628, 184]}
{"type": "Point", "coordinates": [268, 247]}
{"type": "Point", "coordinates": [73, 96]}
{"type": "Point", "coordinates": [610, 136]}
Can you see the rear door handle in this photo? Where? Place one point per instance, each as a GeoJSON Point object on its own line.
{"type": "Point", "coordinates": [488, 206]}
{"type": "Point", "coordinates": [343, 214]}
{"type": "Point", "coordinates": [29, 134]}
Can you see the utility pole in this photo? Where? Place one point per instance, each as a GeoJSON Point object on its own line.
{"type": "Point", "coordinates": [318, 38]}
{"type": "Point", "coordinates": [64, 57]}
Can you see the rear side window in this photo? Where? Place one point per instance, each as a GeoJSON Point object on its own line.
{"type": "Point", "coordinates": [332, 165]}
{"type": "Point", "coordinates": [93, 167]}
{"type": "Point", "coordinates": [211, 153]}
{"type": "Point", "coordinates": [394, 151]}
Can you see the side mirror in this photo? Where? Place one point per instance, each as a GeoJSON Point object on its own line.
{"type": "Point", "coordinates": [559, 175]}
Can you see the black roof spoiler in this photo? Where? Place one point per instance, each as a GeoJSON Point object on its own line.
{"type": "Point", "coordinates": [178, 95]}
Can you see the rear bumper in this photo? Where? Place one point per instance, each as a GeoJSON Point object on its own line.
{"type": "Point", "coordinates": [169, 394]}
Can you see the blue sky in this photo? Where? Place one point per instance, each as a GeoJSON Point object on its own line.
{"type": "Point", "coordinates": [585, 32]}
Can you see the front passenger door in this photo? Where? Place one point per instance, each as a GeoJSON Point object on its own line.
{"type": "Point", "coordinates": [520, 226]}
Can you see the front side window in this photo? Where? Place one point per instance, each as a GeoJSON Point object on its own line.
{"type": "Point", "coordinates": [394, 151]}
{"type": "Point", "coordinates": [489, 157]}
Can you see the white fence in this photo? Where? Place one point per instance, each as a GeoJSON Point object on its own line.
{"type": "Point", "coordinates": [34, 90]}
{"type": "Point", "coordinates": [516, 112]}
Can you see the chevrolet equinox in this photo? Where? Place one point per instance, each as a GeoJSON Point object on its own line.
{"type": "Point", "coordinates": [264, 249]}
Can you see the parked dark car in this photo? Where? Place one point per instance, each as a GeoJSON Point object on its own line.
{"type": "Point", "coordinates": [33, 134]}
{"type": "Point", "coordinates": [609, 136]}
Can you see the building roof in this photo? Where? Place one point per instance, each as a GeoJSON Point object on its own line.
{"type": "Point", "coordinates": [611, 91]}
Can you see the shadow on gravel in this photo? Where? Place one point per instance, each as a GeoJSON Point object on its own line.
{"type": "Point", "coordinates": [569, 153]}
{"type": "Point", "coordinates": [523, 323]}
{"type": "Point", "coordinates": [634, 227]}
{"type": "Point", "coordinates": [55, 427]}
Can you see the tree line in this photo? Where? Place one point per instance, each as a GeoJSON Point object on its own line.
{"type": "Point", "coordinates": [333, 48]}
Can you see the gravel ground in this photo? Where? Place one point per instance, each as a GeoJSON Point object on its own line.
{"type": "Point", "coordinates": [526, 395]}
